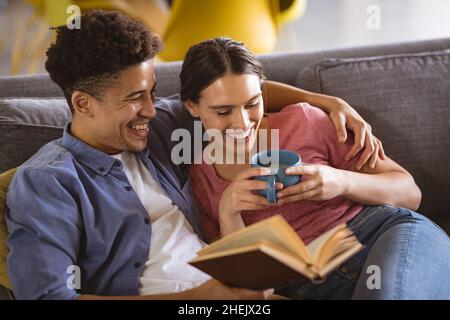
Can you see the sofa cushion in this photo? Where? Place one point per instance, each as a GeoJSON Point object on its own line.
{"type": "Point", "coordinates": [27, 124]}
{"type": "Point", "coordinates": [5, 179]}
{"type": "Point", "coordinates": [406, 99]}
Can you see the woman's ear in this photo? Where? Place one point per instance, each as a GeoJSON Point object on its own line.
{"type": "Point", "coordinates": [191, 107]}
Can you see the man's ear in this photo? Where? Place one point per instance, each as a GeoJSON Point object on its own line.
{"type": "Point", "coordinates": [82, 103]}
{"type": "Point", "coordinates": [191, 107]}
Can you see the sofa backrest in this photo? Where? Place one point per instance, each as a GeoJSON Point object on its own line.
{"type": "Point", "coordinates": [282, 67]}
{"type": "Point", "coordinates": [23, 131]}
{"type": "Point", "coordinates": [406, 99]}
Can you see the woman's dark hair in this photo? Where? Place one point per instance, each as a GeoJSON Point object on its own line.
{"type": "Point", "coordinates": [211, 59]}
{"type": "Point", "coordinates": [89, 58]}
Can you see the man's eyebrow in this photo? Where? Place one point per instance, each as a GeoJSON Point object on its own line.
{"type": "Point", "coordinates": [139, 91]}
{"type": "Point", "coordinates": [222, 106]}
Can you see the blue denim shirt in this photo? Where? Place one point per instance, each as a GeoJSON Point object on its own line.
{"type": "Point", "coordinates": [72, 205]}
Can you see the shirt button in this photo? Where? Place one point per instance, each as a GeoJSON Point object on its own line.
{"type": "Point", "coordinates": [101, 169]}
{"type": "Point", "coordinates": [147, 220]}
{"type": "Point", "coordinates": [117, 164]}
{"type": "Point", "coordinates": [128, 188]}
{"type": "Point", "coordinates": [137, 264]}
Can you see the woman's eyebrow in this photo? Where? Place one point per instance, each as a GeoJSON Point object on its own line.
{"type": "Point", "coordinates": [222, 106]}
{"type": "Point", "coordinates": [134, 93]}
{"type": "Point", "coordinates": [255, 97]}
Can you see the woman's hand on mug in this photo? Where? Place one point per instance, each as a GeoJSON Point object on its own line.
{"type": "Point", "coordinates": [343, 117]}
{"type": "Point", "coordinates": [240, 195]}
{"type": "Point", "coordinates": [321, 183]}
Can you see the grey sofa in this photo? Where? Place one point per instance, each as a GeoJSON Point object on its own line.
{"type": "Point", "coordinates": [402, 90]}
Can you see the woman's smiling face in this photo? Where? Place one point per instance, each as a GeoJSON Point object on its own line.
{"type": "Point", "coordinates": [232, 104]}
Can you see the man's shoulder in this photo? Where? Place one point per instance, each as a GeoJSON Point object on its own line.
{"type": "Point", "coordinates": [47, 179]}
{"type": "Point", "coordinates": [171, 114]}
{"type": "Point", "coordinates": [52, 160]}
{"type": "Point", "coordinates": [171, 104]}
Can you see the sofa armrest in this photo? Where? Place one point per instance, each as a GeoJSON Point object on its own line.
{"type": "Point", "coordinates": [6, 294]}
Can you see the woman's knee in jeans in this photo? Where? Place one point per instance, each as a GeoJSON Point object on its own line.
{"type": "Point", "coordinates": [425, 224]}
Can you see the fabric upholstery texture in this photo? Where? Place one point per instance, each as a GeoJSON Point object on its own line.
{"type": "Point", "coordinates": [406, 99]}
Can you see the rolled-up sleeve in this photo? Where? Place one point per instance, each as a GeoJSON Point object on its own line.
{"type": "Point", "coordinates": [44, 226]}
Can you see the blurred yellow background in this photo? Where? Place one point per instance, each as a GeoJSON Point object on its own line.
{"type": "Point", "coordinates": [180, 23]}
{"type": "Point", "coordinates": [264, 25]}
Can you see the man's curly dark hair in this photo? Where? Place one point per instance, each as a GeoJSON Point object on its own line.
{"type": "Point", "coordinates": [87, 59]}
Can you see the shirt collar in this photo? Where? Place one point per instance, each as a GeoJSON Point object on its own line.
{"type": "Point", "coordinates": [95, 159]}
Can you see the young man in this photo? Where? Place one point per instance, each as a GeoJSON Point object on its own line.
{"type": "Point", "coordinates": [106, 199]}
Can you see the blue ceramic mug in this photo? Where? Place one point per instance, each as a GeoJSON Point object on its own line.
{"type": "Point", "coordinates": [277, 161]}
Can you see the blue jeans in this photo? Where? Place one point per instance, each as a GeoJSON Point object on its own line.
{"type": "Point", "coordinates": [406, 256]}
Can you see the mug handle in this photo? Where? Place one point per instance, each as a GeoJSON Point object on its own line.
{"type": "Point", "coordinates": [271, 192]}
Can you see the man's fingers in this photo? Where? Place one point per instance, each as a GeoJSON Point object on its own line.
{"type": "Point", "coordinates": [360, 135]}
{"type": "Point", "coordinates": [381, 151]}
{"type": "Point", "coordinates": [268, 293]}
{"type": "Point", "coordinates": [374, 157]}
{"type": "Point", "coordinates": [245, 294]}
{"type": "Point", "coordinates": [339, 123]}
{"type": "Point", "coordinates": [368, 151]}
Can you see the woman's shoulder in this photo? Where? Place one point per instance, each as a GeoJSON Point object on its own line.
{"type": "Point", "coordinates": [203, 174]}
{"type": "Point", "coordinates": [198, 170]}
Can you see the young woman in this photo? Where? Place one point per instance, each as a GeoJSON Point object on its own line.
{"type": "Point", "coordinates": [221, 85]}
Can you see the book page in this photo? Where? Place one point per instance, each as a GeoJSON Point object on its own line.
{"type": "Point", "coordinates": [334, 247]}
{"type": "Point", "coordinates": [273, 229]}
{"type": "Point", "coordinates": [315, 246]}
{"type": "Point", "coordinates": [339, 242]}
{"type": "Point", "coordinates": [338, 260]}
{"type": "Point", "coordinates": [279, 253]}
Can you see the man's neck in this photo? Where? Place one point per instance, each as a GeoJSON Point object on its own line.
{"type": "Point", "coordinates": [82, 133]}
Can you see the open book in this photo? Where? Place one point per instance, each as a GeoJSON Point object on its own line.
{"type": "Point", "coordinates": [270, 254]}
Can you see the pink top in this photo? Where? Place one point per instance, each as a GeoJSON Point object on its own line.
{"type": "Point", "coordinates": [309, 132]}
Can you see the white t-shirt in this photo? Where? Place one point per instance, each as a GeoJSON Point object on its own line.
{"type": "Point", "coordinates": [173, 242]}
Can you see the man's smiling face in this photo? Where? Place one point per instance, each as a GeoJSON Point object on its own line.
{"type": "Point", "coordinates": [118, 121]}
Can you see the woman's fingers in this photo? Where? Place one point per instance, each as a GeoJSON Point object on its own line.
{"type": "Point", "coordinates": [252, 172]}
{"type": "Point", "coordinates": [252, 185]}
{"type": "Point", "coordinates": [309, 195]}
{"type": "Point", "coordinates": [298, 188]}
{"type": "Point", "coordinates": [245, 206]}
{"type": "Point", "coordinates": [305, 169]}
{"type": "Point", "coordinates": [255, 199]}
